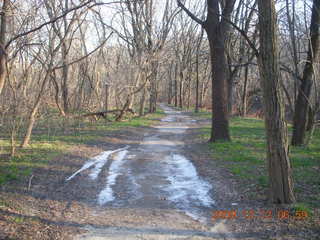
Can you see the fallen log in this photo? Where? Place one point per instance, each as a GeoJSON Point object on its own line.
{"type": "Point", "coordinates": [105, 113]}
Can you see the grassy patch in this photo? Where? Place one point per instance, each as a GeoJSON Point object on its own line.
{"type": "Point", "coordinates": [53, 136]}
{"type": "Point", "coordinates": [18, 220]}
{"type": "Point", "coordinates": [245, 157]}
{"type": "Point", "coordinates": [38, 154]}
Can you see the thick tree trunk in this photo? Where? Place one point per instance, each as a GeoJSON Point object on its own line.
{"type": "Point", "coordinates": [217, 29]}
{"type": "Point", "coordinates": [281, 186]}
{"type": "Point", "coordinates": [220, 113]}
{"type": "Point", "coordinates": [300, 119]}
{"type": "Point", "coordinates": [3, 57]}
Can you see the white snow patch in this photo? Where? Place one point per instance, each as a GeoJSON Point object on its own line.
{"type": "Point", "coordinates": [131, 156]}
{"type": "Point", "coordinates": [172, 129]}
{"type": "Point", "coordinates": [106, 195]}
{"type": "Point", "coordinates": [168, 119]}
{"type": "Point", "coordinates": [186, 187]}
{"type": "Point", "coordinates": [97, 161]}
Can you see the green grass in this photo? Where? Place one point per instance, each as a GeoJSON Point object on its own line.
{"type": "Point", "coordinates": [245, 157]}
{"type": "Point", "coordinates": [18, 220]}
{"type": "Point", "coordinates": [53, 136]}
{"type": "Point", "coordinates": [38, 154]}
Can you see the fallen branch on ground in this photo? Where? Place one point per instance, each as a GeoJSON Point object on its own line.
{"type": "Point", "coordinates": [105, 113]}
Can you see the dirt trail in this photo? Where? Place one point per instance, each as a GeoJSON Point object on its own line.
{"type": "Point", "coordinates": [152, 190]}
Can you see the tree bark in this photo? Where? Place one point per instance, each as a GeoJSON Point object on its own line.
{"type": "Point", "coordinates": [197, 71]}
{"type": "Point", "coordinates": [106, 107]}
{"type": "Point", "coordinates": [3, 56]}
{"type": "Point", "coordinates": [181, 90]}
{"type": "Point", "coordinates": [245, 92]}
{"type": "Point", "coordinates": [300, 119]}
{"type": "Point", "coordinates": [281, 186]}
{"type": "Point", "coordinates": [65, 78]}
{"type": "Point", "coordinates": [220, 113]}
{"type": "Point", "coordinates": [153, 87]}
{"type": "Point", "coordinates": [217, 29]}
{"type": "Point", "coordinates": [142, 102]}
{"type": "Point", "coordinates": [176, 86]}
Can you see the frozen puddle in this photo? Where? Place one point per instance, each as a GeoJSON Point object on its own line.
{"type": "Point", "coordinates": [106, 195]}
{"type": "Point", "coordinates": [97, 162]}
{"type": "Point", "coordinates": [187, 190]}
{"type": "Point", "coordinates": [168, 119]}
{"type": "Point", "coordinates": [155, 174]}
{"type": "Point", "coordinates": [185, 185]}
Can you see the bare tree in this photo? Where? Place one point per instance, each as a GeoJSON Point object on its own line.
{"type": "Point", "coordinates": [303, 112]}
{"type": "Point", "coordinates": [3, 34]}
{"type": "Point", "coordinates": [217, 29]}
{"type": "Point", "coordinates": [279, 167]}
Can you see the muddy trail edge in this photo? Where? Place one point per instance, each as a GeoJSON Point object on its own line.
{"type": "Point", "coordinates": [152, 188]}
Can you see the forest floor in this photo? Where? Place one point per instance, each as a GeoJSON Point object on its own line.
{"type": "Point", "coordinates": [147, 179]}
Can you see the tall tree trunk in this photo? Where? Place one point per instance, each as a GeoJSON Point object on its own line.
{"type": "Point", "coordinates": [197, 85]}
{"type": "Point", "coordinates": [197, 71]}
{"type": "Point", "coordinates": [3, 30]}
{"type": "Point", "coordinates": [281, 186]}
{"type": "Point", "coordinates": [220, 113]}
{"type": "Point", "coordinates": [300, 118]}
{"type": "Point", "coordinates": [176, 86]}
{"type": "Point", "coordinates": [107, 96]}
{"type": "Point", "coordinates": [142, 102]}
{"type": "Point", "coordinates": [231, 80]}
{"type": "Point", "coordinates": [153, 87]}
{"type": "Point", "coordinates": [217, 29]}
{"type": "Point", "coordinates": [245, 92]}
{"type": "Point", "coordinates": [65, 78]}
{"type": "Point", "coordinates": [170, 86]}
{"type": "Point", "coordinates": [181, 90]}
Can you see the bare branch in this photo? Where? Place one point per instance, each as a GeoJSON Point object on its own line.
{"type": "Point", "coordinates": [54, 20]}
{"type": "Point", "coordinates": [191, 15]}
{"type": "Point", "coordinates": [87, 55]}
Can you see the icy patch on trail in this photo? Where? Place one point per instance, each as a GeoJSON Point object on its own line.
{"type": "Point", "coordinates": [106, 195]}
{"type": "Point", "coordinates": [168, 119]}
{"type": "Point", "coordinates": [98, 167]}
{"type": "Point", "coordinates": [186, 187]}
{"type": "Point", "coordinates": [98, 162]}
